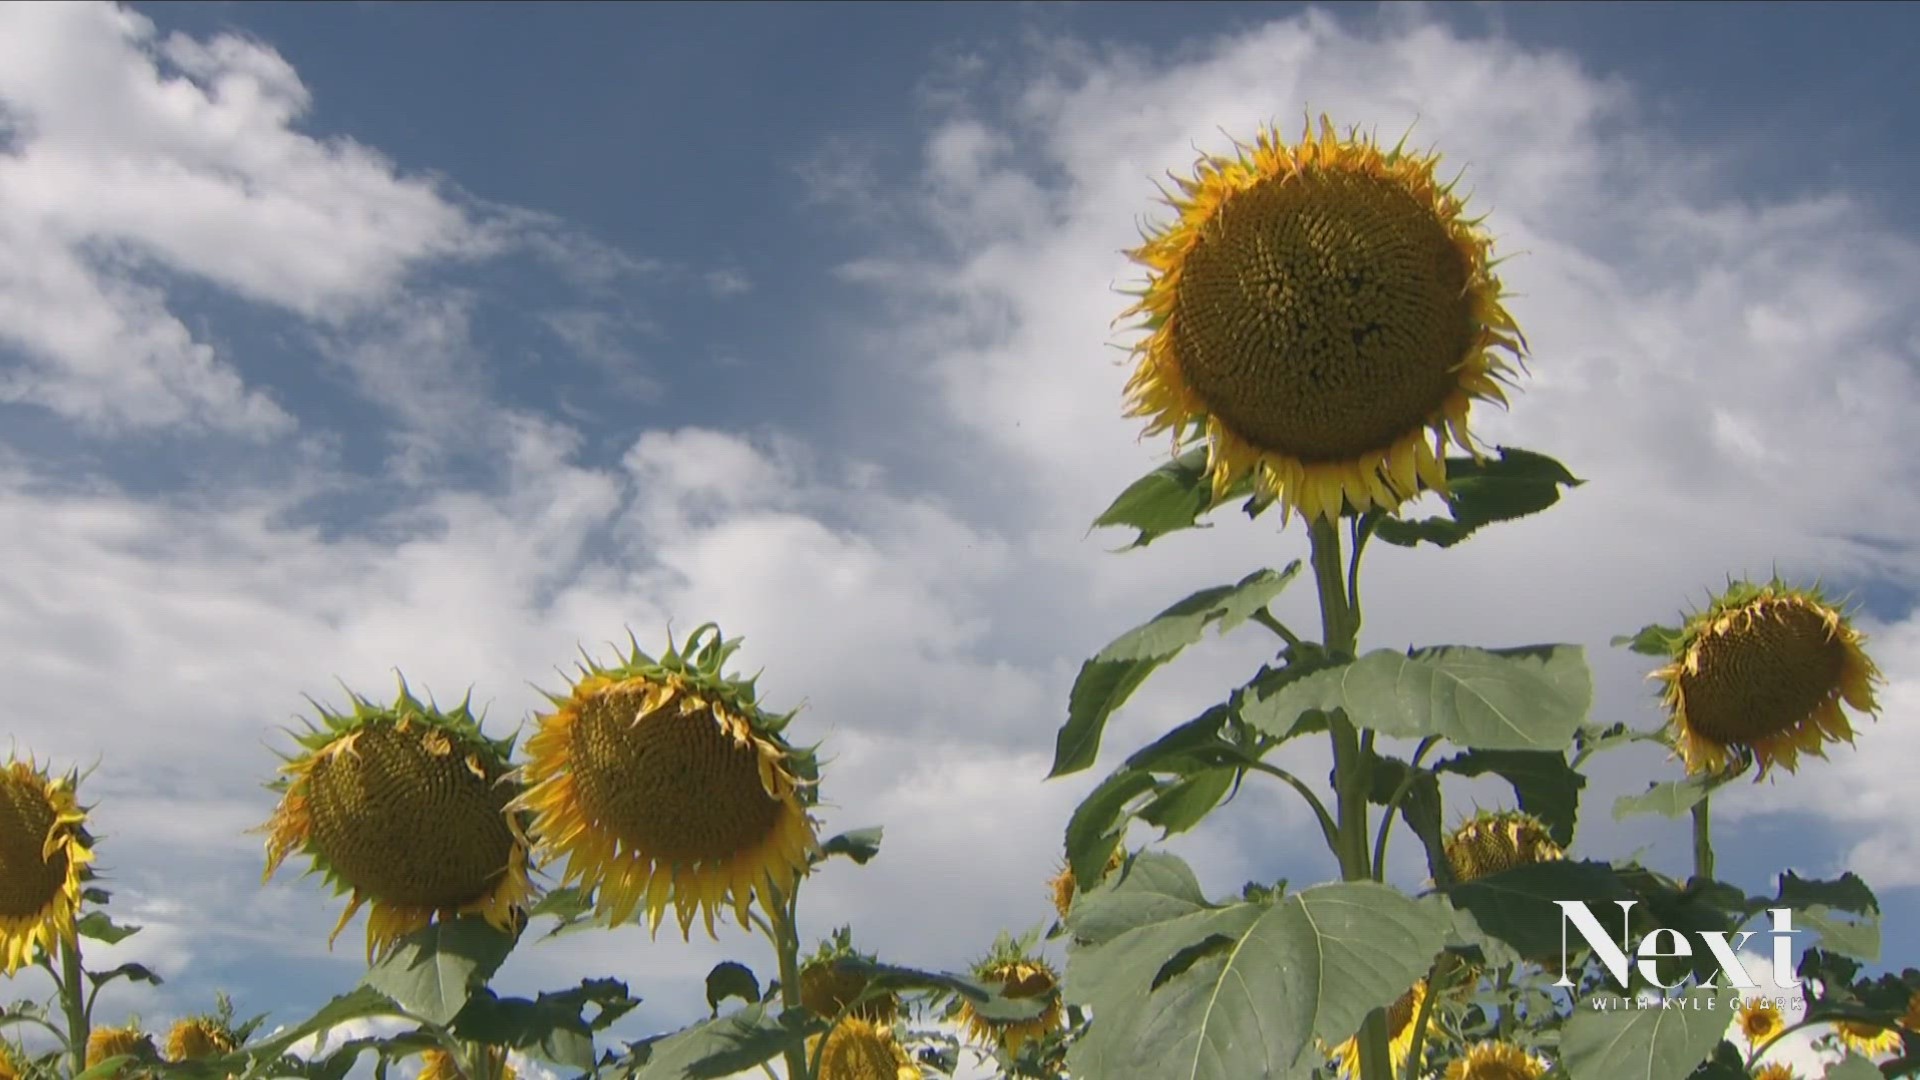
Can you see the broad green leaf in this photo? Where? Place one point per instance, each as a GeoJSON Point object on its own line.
{"type": "Point", "coordinates": [1518, 907]}
{"type": "Point", "coordinates": [1547, 787]}
{"type": "Point", "coordinates": [1530, 698]}
{"type": "Point", "coordinates": [1842, 931]}
{"type": "Point", "coordinates": [1514, 485]}
{"type": "Point", "coordinates": [1097, 824]}
{"type": "Point", "coordinates": [1419, 807]}
{"type": "Point", "coordinates": [1106, 681]}
{"type": "Point", "coordinates": [1185, 802]}
{"type": "Point", "coordinates": [132, 972]}
{"type": "Point", "coordinates": [1153, 887]}
{"type": "Point", "coordinates": [1200, 743]}
{"type": "Point", "coordinates": [1245, 990]}
{"type": "Point", "coordinates": [860, 845]}
{"type": "Point", "coordinates": [1669, 798]}
{"type": "Point", "coordinates": [96, 925]}
{"type": "Point", "coordinates": [1853, 1067]}
{"type": "Point", "coordinates": [1845, 893]}
{"type": "Point", "coordinates": [730, 978]}
{"type": "Point", "coordinates": [1172, 497]}
{"type": "Point", "coordinates": [721, 1047]}
{"type": "Point", "coordinates": [358, 1004]}
{"type": "Point", "coordinates": [434, 971]}
{"type": "Point", "coordinates": [1658, 1043]}
{"type": "Point", "coordinates": [555, 1026]}
{"type": "Point", "coordinates": [102, 1070]}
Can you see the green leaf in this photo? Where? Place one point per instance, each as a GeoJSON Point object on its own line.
{"type": "Point", "coordinates": [1153, 887]}
{"type": "Point", "coordinates": [357, 1004]}
{"type": "Point", "coordinates": [132, 972]}
{"type": "Point", "coordinates": [986, 1000]}
{"type": "Point", "coordinates": [1096, 826]}
{"type": "Point", "coordinates": [96, 925]}
{"type": "Point", "coordinates": [1184, 803]}
{"type": "Point", "coordinates": [1517, 907]}
{"type": "Point", "coordinates": [1172, 497]}
{"type": "Point", "coordinates": [1668, 798]}
{"type": "Point", "coordinates": [730, 979]}
{"type": "Point", "coordinates": [730, 1044]}
{"type": "Point", "coordinates": [554, 1026]}
{"type": "Point", "coordinates": [102, 1070]}
{"type": "Point", "coordinates": [435, 970]}
{"type": "Point", "coordinates": [1245, 990]}
{"type": "Point", "coordinates": [860, 845]}
{"type": "Point", "coordinates": [1514, 485]}
{"type": "Point", "coordinates": [1647, 1044]}
{"type": "Point", "coordinates": [1853, 1067]}
{"type": "Point", "coordinates": [1845, 893]}
{"type": "Point", "coordinates": [1106, 681]}
{"type": "Point", "coordinates": [1195, 745]}
{"type": "Point", "coordinates": [1843, 932]}
{"type": "Point", "coordinates": [1653, 640]}
{"type": "Point", "coordinates": [1547, 787]}
{"type": "Point", "coordinates": [1419, 807]}
{"type": "Point", "coordinates": [1530, 698]}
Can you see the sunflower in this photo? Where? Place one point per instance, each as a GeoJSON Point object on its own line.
{"type": "Point", "coordinates": [12, 1061]}
{"type": "Point", "coordinates": [828, 986]}
{"type": "Point", "coordinates": [1496, 1061]}
{"type": "Point", "coordinates": [111, 1042]}
{"type": "Point", "coordinates": [44, 857]}
{"type": "Point", "coordinates": [1776, 1071]}
{"type": "Point", "coordinates": [1868, 1039]}
{"type": "Point", "coordinates": [857, 1049]}
{"type": "Point", "coordinates": [197, 1037]}
{"type": "Point", "coordinates": [439, 1065]}
{"type": "Point", "coordinates": [1399, 1033]}
{"type": "Point", "coordinates": [1492, 842]}
{"type": "Point", "coordinates": [1759, 1020]}
{"type": "Point", "coordinates": [1321, 310]}
{"type": "Point", "coordinates": [662, 781]}
{"type": "Point", "coordinates": [1064, 888]}
{"type": "Point", "coordinates": [1018, 976]}
{"type": "Point", "coordinates": [405, 807]}
{"type": "Point", "coordinates": [1761, 674]}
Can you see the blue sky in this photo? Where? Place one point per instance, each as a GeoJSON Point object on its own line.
{"type": "Point", "coordinates": [335, 338]}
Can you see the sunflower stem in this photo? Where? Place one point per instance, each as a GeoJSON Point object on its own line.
{"type": "Point", "coordinates": [782, 918]}
{"type": "Point", "coordinates": [1340, 631]}
{"type": "Point", "coordinates": [71, 982]}
{"type": "Point", "coordinates": [1703, 839]}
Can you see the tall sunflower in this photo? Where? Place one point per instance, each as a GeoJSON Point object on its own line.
{"type": "Point", "coordinates": [405, 807]}
{"type": "Point", "coordinates": [1327, 314]}
{"type": "Point", "coordinates": [663, 782]}
{"type": "Point", "coordinates": [44, 857]}
{"type": "Point", "coordinates": [1400, 1017]}
{"type": "Point", "coordinates": [1759, 1020]}
{"type": "Point", "coordinates": [1496, 1061]}
{"type": "Point", "coordinates": [1761, 675]}
{"type": "Point", "coordinates": [1018, 975]}
{"type": "Point", "coordinates": [1493, 842]}
{"type": "Point", "coordinates": [859, 1049]}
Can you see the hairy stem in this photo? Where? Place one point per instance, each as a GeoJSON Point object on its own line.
{"type": "Point", "coordinates": [72, 988]}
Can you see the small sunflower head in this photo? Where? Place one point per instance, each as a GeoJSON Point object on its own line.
{"type": "Point", "coordinates": [1495, 841]}
{"type": "Point", "coordinates": [1761, 675]}
{"type": "Point", "coordinates": [1400, 1017]}
{"type": "Point", "coordinates": [1019, 975]}
{"type": "Point", "coordinates": [45, 857]}
{"type": "Point", "coordinates": [829, 987]}
{"type": "Point", "coordinates": [405, 807]}
{"type": "Point", "coordinates": [858, 1049]}
{"type": "Point", "coordinates": [1496, 1061]}
{"type": "Point", "coordinates": [1759, 1020]}
{"type": "Point", "coordinates": [1326, 313]}
{"type": "Point", "coordinates": [1869, 1040]}
{"type": "Point", "coordinates": [1064, 888]}
{"type": "Point", "coordinates": [111, 1042]}
{"type": "Point", "coordinates": [1775, 1071]}
{"type": "Point", "coordinates": [439, 1065]}
{"type": "Point", "coordinates": [197, 1037]}
{"type": "Point", "coordinates": [663, 782]}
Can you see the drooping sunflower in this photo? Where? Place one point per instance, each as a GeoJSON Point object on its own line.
{"type": "Point", "coordinates": [828, 986]}
{"type": "Point", "coordinates": [1776, 1071]}
{"type": "Point", "coordinates": [1495, 841]}
{"type": "Point", "coordinates": [1761, 675]}
{"type": "Point", "coordinates": [196, 1037]}
{"type": "Point", "coordinates": [1018, 975]}
{"type": "Point", "coordinates": [1064, 888]}
{"type": "Point", "coordinates": [439, 1065]}
{"type": "Point", "coordinates": [858, 1049]}
{"type": "Point", "coordinates": [1400, 1017]}
{"type": "Point", "coordinates": [663, 782]}
{"type": "Point", "coordinates": [45, 854]}
{"type": "Point", "coordinates": [111, 1042]}
{"type": "Point", "coordinates": [1496, 1061]}
{"type": "Point", "coordinates": [1327, 314]}
{"type": "Point", "coordinates": [405, 807]}
{"type": "Point", "coordinates": [1869, 1040]}
{"type": "Point", "coordinates": [1759, 1020]}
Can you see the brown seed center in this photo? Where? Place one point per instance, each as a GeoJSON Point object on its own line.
{"type": "Point", "coordinates": [1322, 316]}
{"type": "Point", "coordinates": [28, 882]}
{"type": "Point", "coordinates": [403, 819]}
{"type": "Point", "coordinates": [672, 785]}
{"type": "Point", "coordinates": [1765, 676]}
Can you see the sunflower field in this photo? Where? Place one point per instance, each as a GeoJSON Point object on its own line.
{"type": "Point", "coordinates": [1317, 322]}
